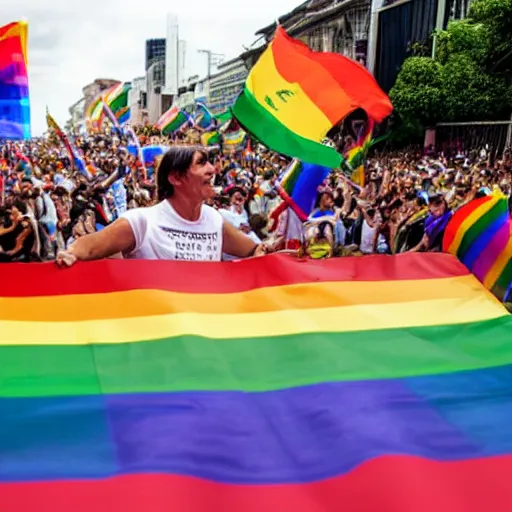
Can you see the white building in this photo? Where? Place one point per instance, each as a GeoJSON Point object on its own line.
{"type": "Point", "coordinates": [172, 56]}
{"type": "Point", "coordinates": [137, 98]}
{"type": "Point", "coordinates": [77, 115]}
{"type": "Point", "coordinates": [227, 84]}
{"type": "Point", "coordinates": [155, 83]}
{"type": "Point", "coordinates": [202, 91]}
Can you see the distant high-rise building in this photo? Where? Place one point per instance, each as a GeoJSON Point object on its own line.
{"type": "Point", "coordinates": [155, 51]}
{"type": "Point", "coordinates": [172, 64]}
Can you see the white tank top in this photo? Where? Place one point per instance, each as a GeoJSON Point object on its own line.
{"type": "Point", "coordinates": [367, 237]}
{"type": "Point", "coordinates": [161, 234]}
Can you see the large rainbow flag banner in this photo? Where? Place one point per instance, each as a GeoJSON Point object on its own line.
{"type": "Point", "coordinates": [294, 96]}
{"type": "Point", "coordinates": [14, 92]}
{"type": "Point", "coordinates": [271, 384]}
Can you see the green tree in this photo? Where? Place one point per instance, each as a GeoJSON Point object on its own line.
{"type": "Point", "coordinates": [470, 77]}
{"type": "Point", "coordinates": [471, 94]}
{"type": "Point", "coordinates": [418, 92]}
{"type": "Point", "coordinates": [496, 17]}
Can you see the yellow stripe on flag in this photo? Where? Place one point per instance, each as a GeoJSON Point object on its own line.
{"type": "Point", "coordinates": [305, 296]}
{"type": "Point", "coordinates": [351, 318]}
{"type": "Point", "coordinates": [477, 214]}
{"type": "Point", "coordinates": [286, 101]}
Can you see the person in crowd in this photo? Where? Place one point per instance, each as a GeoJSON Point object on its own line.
{"type": "Point", "coordinates": [19, 240]}
{"type": "Point", "coordinates": [186, 209]}
{"type": "Point", "coordinates": [179, 227]}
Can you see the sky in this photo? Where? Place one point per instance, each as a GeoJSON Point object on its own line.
{"type": "Point", "coordinates": [75, 41]}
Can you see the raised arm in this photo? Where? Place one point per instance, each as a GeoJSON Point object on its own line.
{"type": "Point", "coordinates": [116, 238]}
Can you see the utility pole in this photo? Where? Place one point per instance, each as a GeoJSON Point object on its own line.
{"type": "Point", "coordinates": [214, 59]}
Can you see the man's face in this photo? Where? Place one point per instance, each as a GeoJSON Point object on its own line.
{"type": "Point", "coordinates": [198, 182]}
{"type": "Point", "coordinates": [437, 208]}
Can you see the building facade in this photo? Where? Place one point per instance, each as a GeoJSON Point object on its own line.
{"type": "Point", "coordinates": [339, 26]}
{"type": "Point", "coordinates": [227, 84]}
{"type": "Point", "coordinates": [155, 84]}
{"type": "Point", "coordinates": [77, 115]}
{"type": "Point", "coordinates": [397, 25]}
{"type": "Point", "coordinates": [155, 50]}
{"type": "Point", "coordinates": [202, 91]}
{"type": "Point", "coordinates": [186, 94]}
{"type": "Point", "coordinates": [137, 100]}
{"type": "Point", "coordinates": [92, 90]}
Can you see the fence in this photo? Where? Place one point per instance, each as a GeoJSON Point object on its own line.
{"type": "Point", "coordinates": [494, 136]}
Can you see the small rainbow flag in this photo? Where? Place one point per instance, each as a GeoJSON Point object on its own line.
{"type": "Point", "coordinates": [73, 153]}
{"type": "Point", "coordinates": [203, 117]}
{"type": "Point", "coordinates": [269, 384]}
{"type": "Point", "coordinates": [234, 141]}
{"type": "Point", "coordinates": [117, 97]}
{"type": "Point", "coordinates": [123, 115]}
{"type": "Point", "coordinates": [299, 187]}
{"type": "Point", "coordinates": [355, 157]}
{"type": "Point", "coordinates": [172, 120]}
{"type": "Point", "coordinates": [294, 96]}
{"type": "Point", "coordinates": [210, 138]}
{"type": "Point", "coordinates": [479, 234]}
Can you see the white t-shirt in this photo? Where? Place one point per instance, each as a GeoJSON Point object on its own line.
{"type": "Point", "coordinates": [161, 234]}
{"type": "Point", "coordinates": [237, 220]}
{"type": "Point", "coordinates": [367, 237]}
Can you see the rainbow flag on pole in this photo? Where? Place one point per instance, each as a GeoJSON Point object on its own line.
{"type": "Point", "coordinates": [172, 120]}
{"type": "Point", "coordinates": [294, 96]}
{"type": "Point", "coordinates": [299, 187]}
{"type": "Point", "coordinates": [271, 384]}
{"type": "Point", "coordinates": [116, 98]}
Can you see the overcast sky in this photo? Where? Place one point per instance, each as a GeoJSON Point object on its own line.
{"type": "Point", "coordinates": [73, 42]}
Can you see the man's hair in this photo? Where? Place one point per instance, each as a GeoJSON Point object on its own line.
{"type": "Point", "coordinates": [177, 160]}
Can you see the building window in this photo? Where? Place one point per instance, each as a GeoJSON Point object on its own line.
{"type": "Point", "coordinates": [316, 40]}
{"type": "Point", "coordinates": [352, 34]}
{"type": "Point", "coordinates": [344, 39]}
{"type": "Point", "coordinates": [159, 74]}
{"type": "Point", "coordinates": [458, 9]}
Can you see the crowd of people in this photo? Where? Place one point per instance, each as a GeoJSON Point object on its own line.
{"type": "Point", "coordinates": [405, 204]}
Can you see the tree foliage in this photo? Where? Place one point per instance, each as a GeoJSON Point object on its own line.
{"type": "Point", "coordinates": [470, 77]}
{"type": "Point", "coordinates": [418, 90]}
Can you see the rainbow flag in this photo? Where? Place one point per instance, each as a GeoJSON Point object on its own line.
{"type": "Point", "coordinates": [224, 120]}
{"type": "Point", "coordinates": [479, 234]}
{"type": "Point", "coordinates": [173, 120]}
{"type": "Point", "coordinates": [14, 92]}
{"type": "Point", "coordinates": [117, 98]}
{"type": "Point", "coordinates": [210, 138]}
{"type": "Point", "coordinates": [73, 153]}
{"type": "Point", "coordinates": [95, 114]}
{"type": "Point", "coordinates": [299, 187]}
{"type": "Point", "coordinates": [269, 384]}
{"type": "Point", "coordinates": [233, 141]}
{"type": "Point", "coordinates": [123, 115]}
{"type": "Point", "coordinates": [294, 96]}
{"type": "Point", "coordinates": [203, 117]}
{"type": "Point", "coordinates": [356, 156]}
